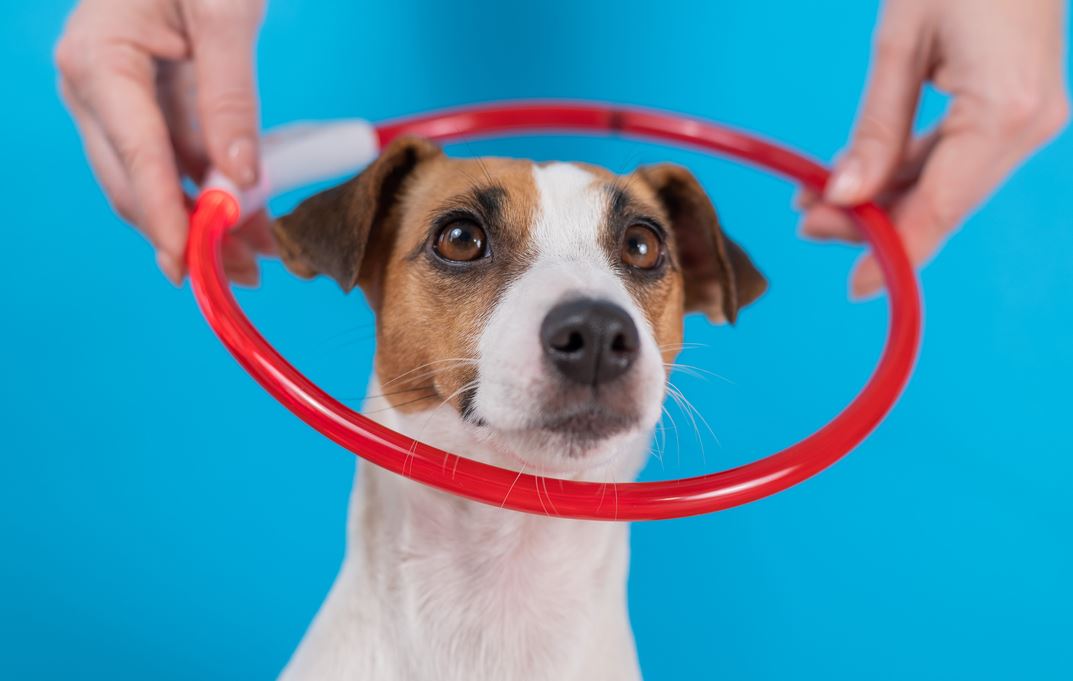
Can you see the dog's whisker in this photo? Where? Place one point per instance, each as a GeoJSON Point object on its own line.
{"type": "Point", "coordinates": [658, 443]}
{"type": "Point", "coordinates": [677, 437]}
{"type": "Point", "coordinates": [511, 488]}
{"type": "Point", "coordinates": [393, 393]}
{"type": "Point", "coordinates": [633, 158]}
{"type": "Point", "coordinates": [467, 386]}
{"type": "Point", "coordinates": [683, 346]}
{"type": "Point", "coordinates": [676, 395]}
{"type": "Point", "coordinates": [614, 486]}
{"type": "Point", "coordinates": [431, 412]}
{"type": "Point", "coordinates": [484, 169]}
{"type": "Point", "coordinates": [465, 139]}
{"type": "Point", "coordinates": [687, 370]}
{"type": "Point", "coordinates": [623, 184]}
{"type": "Point", "coordinates": [696, 371]}
{"type": "Point", "coordinates": [703, 420]}
{"type": "Point", "coordinates": [461, 361]}
{"type": "Point", "coordinates": [540, 474]}
{"type": "Point", "coordinates": [431, 373]}
{"type": "Point", "coordinates": [544, 481]}
{"type": "Point", "coordinates": [687, 406]}
{"type": "Point", "coordinates": [403, 404]}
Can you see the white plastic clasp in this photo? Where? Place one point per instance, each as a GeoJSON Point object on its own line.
{"type": "Point", "coordinates": [299, 154]}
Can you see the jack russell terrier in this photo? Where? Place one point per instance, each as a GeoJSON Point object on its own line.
{"type": "Point", "coordinates": [526, 317]}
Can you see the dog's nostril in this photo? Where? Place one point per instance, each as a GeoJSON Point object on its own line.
{"type": "Point", "coordinates": [572, 343]}
{"type": "Point", "coordinates": [590, 341]}
{"type": "Point", "coordinates": [621, 343]}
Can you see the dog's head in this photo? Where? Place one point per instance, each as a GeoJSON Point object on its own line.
{"type": "Point", "coordinates": [540, 303]}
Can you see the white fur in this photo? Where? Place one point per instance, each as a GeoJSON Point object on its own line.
{"type": "Point", "coordinates": [568, 263]}
{"type": "Point", "coordinates": [434, 587]}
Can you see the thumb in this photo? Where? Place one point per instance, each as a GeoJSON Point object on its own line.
{"type": "Point", "coordinates": [223, 43]}
{"type": "Point", "coordinates": [883, 125]}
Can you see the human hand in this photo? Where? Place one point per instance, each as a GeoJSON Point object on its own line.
{"type": "Point", "coordinates": [160, 89]}
{"type": "Point", "coordinates": [1002, 63]}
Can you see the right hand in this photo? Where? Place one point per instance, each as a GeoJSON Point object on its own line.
{"type": "Point", "coordinates": [161, 89]}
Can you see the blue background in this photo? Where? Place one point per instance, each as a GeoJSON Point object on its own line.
{"type": "Point", "coordinates": [163, 518]}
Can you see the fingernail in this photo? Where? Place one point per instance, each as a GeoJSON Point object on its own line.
{"type": "Point", "coordinates": [845, 185]}
{"type": "Point", "coordinates": [811, 232]}
{"type": "Point", "coordinates": [867, 282]}
{"type": "Point", "coordinates": [813, 228]}
{"type": "Point", "coordinates": [171, 267]}
{"type": "Point", "coordinates": [242, 157]}
{"type": "Point", "coordinates": [805, 199]}
{"type": "Point", "coordinates": [806, 228]}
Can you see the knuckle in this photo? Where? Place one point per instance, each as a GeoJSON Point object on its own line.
{"type": "Point", "coordinates": [1019, 109]}
{"type": "Point", "coordinates": [873, 127]}
{"type": "Point", "coordinates": [941, 215]}
{"type": "Point", "coordinates": [123, 206]}
{"type": "Point", "coordinates": [124, 210]}
{"type": "Point", "coordinates": [892, 49]}
{"type": "Point", "coordinates": [81, 60]}
{"type": "Point", "coordinates": [1054, 117]}
{"type": "Point", "coordinates": [1032, 113]}
{"type": "Point", "coordinates": [234, 103]}
{"type": "Point", "coordinates": [877, 138]}
{"type": "Point", "coordinates": [208, 12]}
{"type": "Point", "coordinates": [68, 57]}
{"type": "Point", "coordinates": [118, 60]}
{"type": "Point", "coordinates": [134, 155]}
{"type": "Point", "coordinates": [204, 11]}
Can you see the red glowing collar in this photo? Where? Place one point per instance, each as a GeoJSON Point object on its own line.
{"type": "Point", "coordinates": [218, 209]}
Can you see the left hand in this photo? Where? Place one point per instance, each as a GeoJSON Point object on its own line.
{"type": "Point", "coordinates": [1002, 62]}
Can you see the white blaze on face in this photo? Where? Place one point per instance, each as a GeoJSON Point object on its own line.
{"type": "Point", "coordinates": [568, 262]}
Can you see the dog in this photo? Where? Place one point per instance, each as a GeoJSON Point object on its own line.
{"type": "Point", "coordinates": [526, 317]}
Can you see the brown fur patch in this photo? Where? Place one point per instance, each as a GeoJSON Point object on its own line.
{"type": "Point", "coordinates": [660, 295]}
{"type": "Point", "coordinates": [433, 313]}
{"type": "Point", "coordinates": [718, 276]}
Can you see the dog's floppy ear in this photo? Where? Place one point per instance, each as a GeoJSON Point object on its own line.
{"type": "Point", "coordinates": [332, 232]}
{"type": "Point", "coordinates": [719, 278]}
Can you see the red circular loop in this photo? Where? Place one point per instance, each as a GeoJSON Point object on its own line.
{"type": "Point", "coordinates": [216, 211]}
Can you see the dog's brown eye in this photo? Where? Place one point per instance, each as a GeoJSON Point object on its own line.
{"type": "Point", "coordinates": [641, 247]}
{"type": "Point", "coordinates": [461, 241]}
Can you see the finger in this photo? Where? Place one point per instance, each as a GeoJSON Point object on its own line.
{"type": "Point", "coordinates": [805, 198]}
{"type": "Point", "coordinates": [174, 268]}
{"type": "Point", "coordinates": [885, 120]}
{"type": "Point", "coordinates": [257, 233]}
{"type": "Point", "coordinates": [123, 99]}
{"type": "Point", "coordinates": [239, 260]}
{"type": "Point", "coordinates": [177, 93]}
{"type": "Point", "coordinates": [967, 163]}
{"type": "Point", "coordinates": [223, 37]}
{"type": "Point", "coordinates": [963, 163]}
{"type": "Point", "coordinates": [906, 173]}
{"type": "Point", "coordinates": [917, 153]}
{"type": "Point", "coordinates": [867, 277]}
{"type": "Point", "coordinates": [110, 174]}
{"type": "Point", "coordinates": [102, 159]}
{"type": "Point", "coordinates": [825, 222]}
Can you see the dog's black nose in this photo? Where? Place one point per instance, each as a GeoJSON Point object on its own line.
{"type": "Point", "coordinates": [590, 341]}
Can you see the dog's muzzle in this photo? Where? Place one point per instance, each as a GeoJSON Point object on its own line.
{"type": "Point", "coordinates": [590, 342]}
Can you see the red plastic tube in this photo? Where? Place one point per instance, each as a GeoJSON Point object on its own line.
{"type": "Point", "coordinates": [216, 212]}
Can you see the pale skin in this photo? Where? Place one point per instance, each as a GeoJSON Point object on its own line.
{"type": "Point", "coordinates": [160, 89]}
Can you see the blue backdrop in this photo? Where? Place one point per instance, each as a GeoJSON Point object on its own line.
{"type": "Point", "coordinates": [163, 518]}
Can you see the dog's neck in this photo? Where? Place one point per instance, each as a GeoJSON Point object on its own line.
{"type": "Point", "coordinates": [474, 587]}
